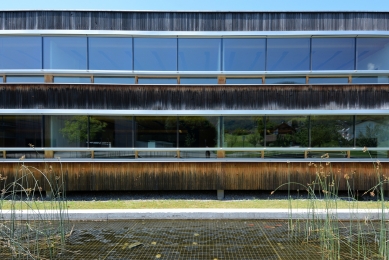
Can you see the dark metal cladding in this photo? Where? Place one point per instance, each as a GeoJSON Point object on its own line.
{"type": "Point", "coordinates": [185, 97]}
{"type": "Point", "coordinates": [194, 21]}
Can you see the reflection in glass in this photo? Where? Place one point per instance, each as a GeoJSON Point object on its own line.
{"type": "Point", "coordinates": [243, 131]}
{"type": "Point", "coordinates": [23, 79]}
{"type": "Point", "coordinates": [244, 54]}
{"type": "Point", "coordinates": [372, 53]}
{"type": "Point", "coordinates": [285, 80]}
{"type": "Point", "coordinates": [332, 131]}
{"type": "Point", "coordinates": [198, 80]}
{"type": "Point", "coordinates": [65, 53]}
{"type": "Point", "coordinates": [288, 54]}
{"type": "Point", "coordinates": [110, 53]}
{"type": "Point", "coordinates": [20, 131]}
{"type": "Point", "coordinates": [248, 81]}
{"type": "Point", "coordinates": [372, 131]}
{"type": "Point", "coordinates": [287, 131]}
{"type": "Point", "coordinates": [21, 53]}
{"type": "Point", "coordinates": [114, 80]}
{"type": "Point", "coordinates": [157, 54]}
{"type": "Point", "coordinates": [370, 79]}
{"type": "Point", "coordinates": [72, 79]}
{"type": "Point", "coordinates": [66, 131]}
{"type": "Point", "coordinates": [333, 53]}
{"type": "Point", "coordinates": [199, 54]}
{"type": "Point", "coordinates": [328, 80]}
{"type": "Point", "coordinates": [155, 131]}
{"type": "Point", "coordinates": [157, 80]}
{"type": "Point", "coordinates": [198, 131]}
{"type": "Point", "coordinates": [113, 131]}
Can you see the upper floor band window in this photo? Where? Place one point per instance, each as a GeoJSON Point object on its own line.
{"type": "Point", "coordinates": [199, 54]}
{"type": "Point", "coordinates": [288, 54]}
{"type": "Point", "coordinates": [193, 54]}
{"type": "Point", "coordinates": [244, 54]}
{"type": "Point", "coordinates": [21, 52]}
{"type": "Point", "coordinates": [333, 53]}
{"type": "Point", "coordinates": [69, 53]}
{"type": "Point", "coordinates": [110, 53]}
{"type": "Point", "coordinates": [155, 54]}
{"type": "Point", "coordinates": [372, 53]}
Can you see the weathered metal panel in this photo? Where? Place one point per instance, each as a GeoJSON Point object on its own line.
{"type": "Point", "coordinates": [194, 21]}
{"type": "Point", "coordinates": [185, 97]}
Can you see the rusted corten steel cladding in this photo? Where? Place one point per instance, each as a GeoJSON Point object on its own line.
{"type": "Point", "coordinates": [196, 175]}
{"type": "Point", "coordinates": [193, 21]}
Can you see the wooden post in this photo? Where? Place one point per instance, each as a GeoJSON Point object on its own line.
{"type": "Point", "coordinates": [49, 154]}
{"type": "Point", "coordinates": [262, 154]}
{"type": "Point", "coordinates": [178, 154]}
{"type": "Point", "coordinates": [306, 79]}
{"type": "Point", "coordinates": [221, 80]}
{"type": "Point", "coordinates": [92, 154]}
{"type": "Point", "coordinates": [350, 79]}
{"type": "Point", "coordinates": [136, 154]}
{"type": "Point", "coordinates": [221, 154]}
{"type": "Point", "coordinates": [348, 154]}
{"type": "Point", "coordinates": [4, 155]}
{"type": "Point", "coordinates": [305, 154]}
{"type": "Point", "coordinates": [49, 78]}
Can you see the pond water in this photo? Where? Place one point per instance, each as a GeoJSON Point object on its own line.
{"type": "Point", "coordinates": [197, 239]}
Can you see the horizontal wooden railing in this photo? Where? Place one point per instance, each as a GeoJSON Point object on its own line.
{"type": "Point", "coordinates": [205, 152]}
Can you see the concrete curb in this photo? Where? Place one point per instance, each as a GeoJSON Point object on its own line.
{"type": "Point", "coordinates": [117, 214]}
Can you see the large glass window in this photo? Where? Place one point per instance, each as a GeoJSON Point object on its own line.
{"type": "Point", "coordinates": [288, 54]}
{"type": "Point", "coordinates": [372, 53]}
{"type": "Point", "coordinates": [113, 131]}
{"type": "Point", "coordinates": [332, 131]}
{"type": "Point", "coordinates": [66, 131]}
{"type": "Point", "coordinates": [198, 131]}
{"type": "Point", "coordinates": [333, 53]}
{"type": "Point", "coordinates": [20, 131]}
{"type": "Point", "coordinates": [372, 131]}
{"type": "Point", "coordinates": [157, 54]}
{"type": "Point", "coordinates": [243, 131]}
{"type": "Point", "coordinates": [155, 131]}
{"type": "Point", "coordinates": [287, 131]}
{"type": "Point", "coordinates": [244, 54]}
{"type": "Point", "coordinates": [199, 54]}
{"type": "Point", "coordinates": [65, 53]}
{"type": "Point", "coordinates": [110, 53]}
{"type": "Point", "coordinates": [21, 53]}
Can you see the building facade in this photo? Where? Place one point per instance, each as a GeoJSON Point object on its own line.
{"type": "Point", "coordinates": [194, 100]}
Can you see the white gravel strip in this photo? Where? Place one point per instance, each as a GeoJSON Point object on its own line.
{"type": "Point", "coordinates": [122, 214]}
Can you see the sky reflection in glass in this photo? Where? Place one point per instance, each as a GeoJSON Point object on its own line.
{"type": "Point", "coordinates": [288, 54]}
{"type": "Point", "coordinates": [21, 53]}
{"type": "Point", "coordinates": [244, 54]}
{"type": "Point", "coordinates": [65, 53]}
{"type": "Point", "coordinates": [333, 53]}
{"type": "Point", "coordinates": [199, 54]}
{"type": "Point", "coordinates": [155, 54]}
{"type": "Point", "coordinates": [110, 53]}
{"type": "Point", "coordinates": [372, 53]}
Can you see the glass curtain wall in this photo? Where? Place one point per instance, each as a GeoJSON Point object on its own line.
{"type": "Point", "coordinates": [21, 52]}
{"type": "Point", "coordinates": [194, 54]}
{"type": "Point", "coordinates": [110, 53]}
